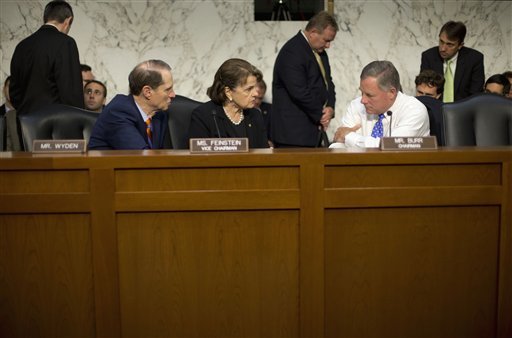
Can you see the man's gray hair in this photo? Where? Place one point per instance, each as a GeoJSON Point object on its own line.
{"type": "Point", "coordinates": [386, 74]}
{"type": "Point", "coordinates": [321, 21]}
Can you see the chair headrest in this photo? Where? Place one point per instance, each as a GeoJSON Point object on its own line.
{"type": "Point", "coordinates": [56, 122]}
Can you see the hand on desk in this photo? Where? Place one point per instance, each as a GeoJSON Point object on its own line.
{"type": "Point", "coordinates": [341, 132]}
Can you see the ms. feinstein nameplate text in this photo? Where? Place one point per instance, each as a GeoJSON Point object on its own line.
{"type": "Point", "coordinates": [219, 145]}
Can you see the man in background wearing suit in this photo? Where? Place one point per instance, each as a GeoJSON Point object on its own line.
{"type": "Point", "coordinates": [264, 107]}
{"type": "Point", "coordinates": [429, 88]}
{"type": "Point", "coordinates": [463, 67]}
{"type": "Point", "coordinates": [508, 75]}
{"type": "Point", "coordinates": [497, 84]}
{"type": "Point", "coordinates": [12, 140]}
{"type": "Point", "coordinates": [303, 95]}
{"type": "Point", "coordinates": [87, 74]}
{"type": "Point", "coordinates": [429, 83]}
{"type": "Point", "coordinates": [4, 108]}
{"type": "Point", "coordinates": [95, 95]}
{"type": "Point", "coordinates": [138, 120]}
{"type": "Point", "coordinates": [45, 67]}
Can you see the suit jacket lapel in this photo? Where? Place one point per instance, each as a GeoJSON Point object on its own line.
{"type": "Point", "coordinates": [438, 65]}
{"type": "Point", "coordinates": [141, 125]}
{"type": "Point", "coordinates": [307, 48]}
{"type": "Point", "coordinates": [157, 122]}
{"type": "Point", "coordinates": [459, 70]}
{"type": "Point", "coordinates": [311, 54]}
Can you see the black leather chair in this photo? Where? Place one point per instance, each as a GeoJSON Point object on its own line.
{"type": "Point", "coordinates": [3, 133]}
{"type": "Point", "coordinates": [435, 117]}
{"type": "Point", "coordinates": [180, 112]}
{"type": "Point", "coordinates": [56, 122]}
{"type": "Point", "coordinates": [479, 120]}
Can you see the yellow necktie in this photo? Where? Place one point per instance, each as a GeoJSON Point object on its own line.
{"type": "Point", "coordinates": [448, 83]}
{"type": "Point", "coordinates": [322, 69]}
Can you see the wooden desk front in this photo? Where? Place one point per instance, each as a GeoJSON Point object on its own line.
{"type": "Point", "coordinates": [297, 243]}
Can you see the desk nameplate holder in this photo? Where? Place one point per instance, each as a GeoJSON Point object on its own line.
{"type": "Point", "coordinates": [408, 143]}
{"type": "Point", "coordinates": [219, 145]}
{"type": "Point", "coordinates": [59, 146]}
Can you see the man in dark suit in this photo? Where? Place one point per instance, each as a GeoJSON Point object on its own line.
{"type": "Point", "coordinates": [429, 83]}
{"type": "Point", "coordinates": [4, 108]}
{"type": "Point", "coordinates": [8, 113]}
{"type": "Point", "coordinates": [138, 120]}
{"type": "Point", "coordinates": [429, 88]}
{"type": "Point", "coordinates": [463, 67]}
{"type": "Point", "coordinates": [87, 74]}
{"type": "Point", "coordinates": [497, 84]}
{"type": "Point", "coordinates": [264, 107]}
{"type": "Point", "coordinates": [508, 75]}
{"type": "Point", "coordinates": [303, 95]}
{"type": "Point", "coordinates": [45, 67]}
{"type": "Point", "coordinates": [95, 95]}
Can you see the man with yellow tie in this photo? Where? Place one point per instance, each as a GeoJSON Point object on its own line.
{"type": "Point", "coordinates": [303, 94]}
{"type": "Point", "coordinates": [463, 67]}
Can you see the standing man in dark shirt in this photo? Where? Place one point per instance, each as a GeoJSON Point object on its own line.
{"type": "Point", "coordinates": [45, 67]}
{"type": "Point", "coordinates": [303, 94]}
{"type": "Point", "coordinates": [463, 67]}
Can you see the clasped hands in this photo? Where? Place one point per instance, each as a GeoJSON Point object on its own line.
{"type": "Point", "coordinates": [327, 115]}
{"type": "Point", "coordinates": [341, 132]}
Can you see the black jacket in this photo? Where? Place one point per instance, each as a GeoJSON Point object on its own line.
{"type": "Point", "coordinates": [45, 69]}
{"type": "Point", "coordinates": [209, 119]}
{"type": "Point", "coordinates": [469, 73]}
{"type": "Point", "coordinates": [299, 94]}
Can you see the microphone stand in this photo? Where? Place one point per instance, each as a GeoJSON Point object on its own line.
{"type": "Point", "coordinates": [214, 114]}
{"type": "Point", "coordinates": [390, 114]}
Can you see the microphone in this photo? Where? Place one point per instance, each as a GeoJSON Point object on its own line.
{"type": "Point", "coordinates": [214, 114]}
{"type": "Point", "coordinates": [390, 114]}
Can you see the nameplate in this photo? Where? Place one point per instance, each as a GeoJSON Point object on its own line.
{"type": "Point", "coordinates": [219, 145]}
{"type": "Point", "coordinates": [408, 143]}
{"type": "Point", "coordinates": [59, 146]}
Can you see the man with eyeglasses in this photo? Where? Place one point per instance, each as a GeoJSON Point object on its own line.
{"type": "Point", "coordinates": [463, 67]}
{"type": "Point", "coordinates": [95, 95]}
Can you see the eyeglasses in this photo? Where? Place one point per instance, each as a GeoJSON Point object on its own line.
{"type": "Point", "coordinates": [95, 92]}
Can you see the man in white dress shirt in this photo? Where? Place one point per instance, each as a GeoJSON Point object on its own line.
{"type": "Point", "coordinates": [382, 110]}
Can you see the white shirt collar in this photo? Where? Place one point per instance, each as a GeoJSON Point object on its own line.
{"type": "Point", "coordinates": [51, 24]}
{"type": "Point", "coordinates": [305, 37]}
{"type": "Point", "coordinates": [142, 113]}
{"type": "Point", "coordinates": [453, 62]}
{"type": "Point", "coordinates": [395, 105]}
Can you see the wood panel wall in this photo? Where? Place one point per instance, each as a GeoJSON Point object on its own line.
{"type": "Point", "coordinates": [296, 243]}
